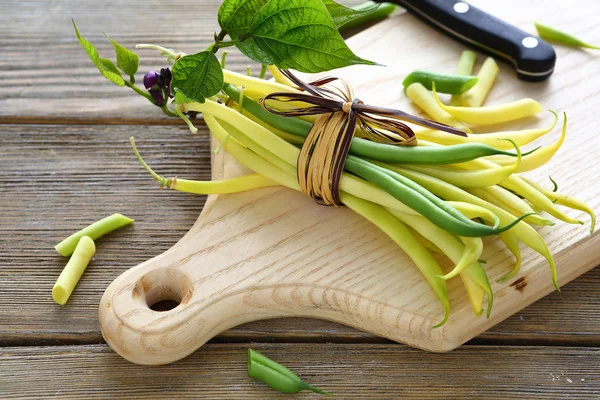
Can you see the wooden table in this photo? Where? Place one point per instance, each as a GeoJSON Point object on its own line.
{"type": "Point", "coordinates": [65, 161]}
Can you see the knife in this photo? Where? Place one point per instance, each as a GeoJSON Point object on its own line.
{"type": "Point", "coordinates": [533, 58]}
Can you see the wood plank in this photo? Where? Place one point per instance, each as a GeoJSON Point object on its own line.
{"type": "Point", "coordinates": [82, 173]}
{"type": "Point", "coordinates": [349, 371]}
{"type": "Point", "coordinates": [47, 77]}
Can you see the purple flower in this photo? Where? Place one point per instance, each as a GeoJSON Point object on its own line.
{"type": "Point", "coordinates": [151, 79]}
{"type": "Point", "coordinates": [157, 95]}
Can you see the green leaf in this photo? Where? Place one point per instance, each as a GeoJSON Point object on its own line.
{"type": "Point", "coordinates": [235, 16]}
{"type": "Point", "coordinates": [109, 66]}
{"type": "Point", "coordinates": [106, 67]}
{"type": "Point", "coordinates": [342, 15]}
{"type": "Point", "coordinates": [127, 60]}
{"type": "Point", "coordinates": [300, 35]}
{"type": "Point", "coordinates": [198, 76]}
{"type": "Point", "coordinates": [255, 53]}
{"type": "Point", "coordinates": [181, 98]}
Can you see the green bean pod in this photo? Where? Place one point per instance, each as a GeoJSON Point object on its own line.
{"type": "Point", "coordinates": [422, 201]}
{"type": "Point", "coordinates": [434, 155]}
{"type": "Point", "coordinates": [377, 151]}
{"type": "Point", "coordinates": [554, 35]}
{"type": "Point", "coordinates": [383, 11]}
{"type": "Point", "coordinates": [444, 83]}
{"type": "Point", "coordinates": [276, 375]}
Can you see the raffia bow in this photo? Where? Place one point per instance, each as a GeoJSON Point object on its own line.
{"type": "Point", "coordinates": [323, 154]}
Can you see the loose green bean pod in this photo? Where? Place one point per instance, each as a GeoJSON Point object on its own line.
{"type": "Point", "coordinates": [276, 375]}
{"type": "Point", "coordinates": [94, 231]}
{"type": "Point", "coordinates": [383, 11]}
{"type": "Point", "coordinates": [445, 83]}
{"type": "Point", "coordinates": [465, 66]}
{"type": "Point", "coordinates": [554, 35]}
{"type": "Point", "coordinates": [493, 114]}
{"type": "Point", "coordinates": [66, 282]}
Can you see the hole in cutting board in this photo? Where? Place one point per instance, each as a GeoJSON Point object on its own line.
{"type": "Point", "coordinates": [164, 305]}
{"type": "Point", "coordinates": [163, 289]}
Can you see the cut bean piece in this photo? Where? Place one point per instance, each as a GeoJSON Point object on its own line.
{"type": "Point", "coordinates": [94, 231]}
{"type": "Point", "coordinates": [77, 264]}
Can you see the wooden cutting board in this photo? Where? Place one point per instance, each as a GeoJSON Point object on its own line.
{"type": "Point", "coordinates": [272, 253]}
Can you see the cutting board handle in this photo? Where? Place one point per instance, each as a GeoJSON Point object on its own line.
{"type": "Point", "coordinates": [201, 277]}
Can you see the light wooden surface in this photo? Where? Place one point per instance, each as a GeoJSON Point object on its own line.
{"type": "Point", "coordinates": [59, 177]}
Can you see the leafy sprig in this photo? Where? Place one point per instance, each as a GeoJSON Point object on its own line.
{"type": "Point", "coordinates": [290, 34]}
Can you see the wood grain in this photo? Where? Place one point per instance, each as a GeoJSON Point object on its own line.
{"type": "Point", "coordinates": [349, 371]}
{"type": "Point", "coordinates": [82, 173]}
{"type": "Point", "coordinates": [47, 79]}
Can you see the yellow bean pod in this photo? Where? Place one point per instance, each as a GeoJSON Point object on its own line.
{"type": "Point", "coordinates": [288, 137]}
{"type": "Point", "coordinates": [523, 231]}
{"type": "Point", "coordinates": [467, 179]}
{"type": "Point", "coordinates": [474, 277]}
{"type": "Point", "coordinates": [398, 232]}
{"type": "Point", "coordinates": [538, 157]}
{"type": "Point", "coordinates": [255, 84]}
{"type": "Point", "coordinates": [493, 114]}
{"type": "Point", "coordinates": [521, 137]}
{"type": "Point", "coordinates": [465, 67]}
{"type": "Point", "coordinates": [511, 242]}
{"type": "Point", "coordinates": [462, 178]}
{"type": "Point", "coordinates": [279, 77]}
{"type": "Point", "coordinates": [567, 201]}
{"type": "Point", "coordinates": [424, 241]}
{"type": "Point", "coordinates": [472, 253]}
{"type": "Point", "coordinates": [473, 211]}
{"type": "Point", "coordinates": [69, 277]}
{"type": "Point", "coordinates": [487, 76]}
{"type": "Point", "coordinates": [226, 186]}
{"type": "Point", "coordinates": [511, 203]}
{"type": "Point", "coordinates": [255, 94]}
{"type": "Point", "coordinates": [419, 95]}
{"type": "Point", "coordinates": [522, 188]}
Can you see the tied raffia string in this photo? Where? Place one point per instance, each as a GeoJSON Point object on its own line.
{"type": "Point", "coordinates": [324, 152]}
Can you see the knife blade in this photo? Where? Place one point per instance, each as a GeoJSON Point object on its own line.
{"type": "Point", "coordinates": [533, 58]}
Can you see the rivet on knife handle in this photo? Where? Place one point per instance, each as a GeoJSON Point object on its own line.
{"type": "Point", "coordinates": [533, 58]}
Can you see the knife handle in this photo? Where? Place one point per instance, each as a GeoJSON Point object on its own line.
{"type": "Point", "coordinates": [533, 58]}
